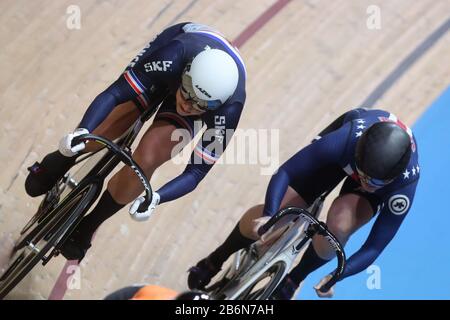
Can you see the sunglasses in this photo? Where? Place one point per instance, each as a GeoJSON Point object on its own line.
{"type": "Point", "coordinates": [188, 98]}
{"type": "Point", "coordinates": [372, 182]}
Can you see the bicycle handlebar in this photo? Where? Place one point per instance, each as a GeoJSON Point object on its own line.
{"type": "Point", "coordinates": [317, 227]}
{"type": "Point", "coordinates": [274, 219]}
{"type": "Point", "coordinates": [125, 158]}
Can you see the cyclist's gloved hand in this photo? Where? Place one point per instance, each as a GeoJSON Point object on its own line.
{"type": "Point", "coordinates": [329, 293]}
{"type": "Point", "coordinates": [65, 144]}
{"type": "Point", "coordinates": [143, 216]}
{"type": "Point", "coordinates": [257, 225]}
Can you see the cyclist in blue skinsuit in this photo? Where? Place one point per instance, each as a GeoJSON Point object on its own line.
{"type": "Point", "coordinates": [204, 76]}
{"type": "Point", "coordinates": [377, 156]}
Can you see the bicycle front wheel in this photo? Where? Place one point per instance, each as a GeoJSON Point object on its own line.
{"type": "Point", "coordinates": [264, 285]}
{"type": "Point", "coordinates": [35, 224]}
{"type": "Point", "coordinates": [31, 253]}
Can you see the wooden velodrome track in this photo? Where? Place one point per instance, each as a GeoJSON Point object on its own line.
{"type": "Point", "coordinates": [309, 63]}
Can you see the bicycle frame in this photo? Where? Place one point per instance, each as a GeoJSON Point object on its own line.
{"type": "Point", "coordinates": [60, 221]}
{"type": "Point", "coordinates": [120, 152]}
{"type": "Point", "coordinates": [250, 265]}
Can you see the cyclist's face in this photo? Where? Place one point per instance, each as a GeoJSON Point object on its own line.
{"type": "Point", "coordinates": [368, 187]}
{"type": "Point", "coordinates": [185, 107]}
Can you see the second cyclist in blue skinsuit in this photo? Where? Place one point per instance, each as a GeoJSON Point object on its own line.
{"type": "Point", "coordinates": [376, 156]}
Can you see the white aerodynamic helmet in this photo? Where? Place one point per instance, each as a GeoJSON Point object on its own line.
{"type": "Point", "coordinates": [210, 79]}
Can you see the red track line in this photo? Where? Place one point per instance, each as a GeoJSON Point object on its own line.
{"type": "Point", "coordinates": [60, 287]}
{"type": "Point", "coordinates": [259, 22]}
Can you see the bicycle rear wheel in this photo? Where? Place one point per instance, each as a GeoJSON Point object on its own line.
{"type": "Point", "coordinates": [26, 258]}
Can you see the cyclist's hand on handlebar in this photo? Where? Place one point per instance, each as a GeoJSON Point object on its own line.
{"type": "Point", "coordinates": [144, 215]}
{"type": "Point", "coordinates": [256, 225]}
{"type": "Point", "coordinates": [65, 144]}
{"type": "Point", "coordinates": [329, 293]}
